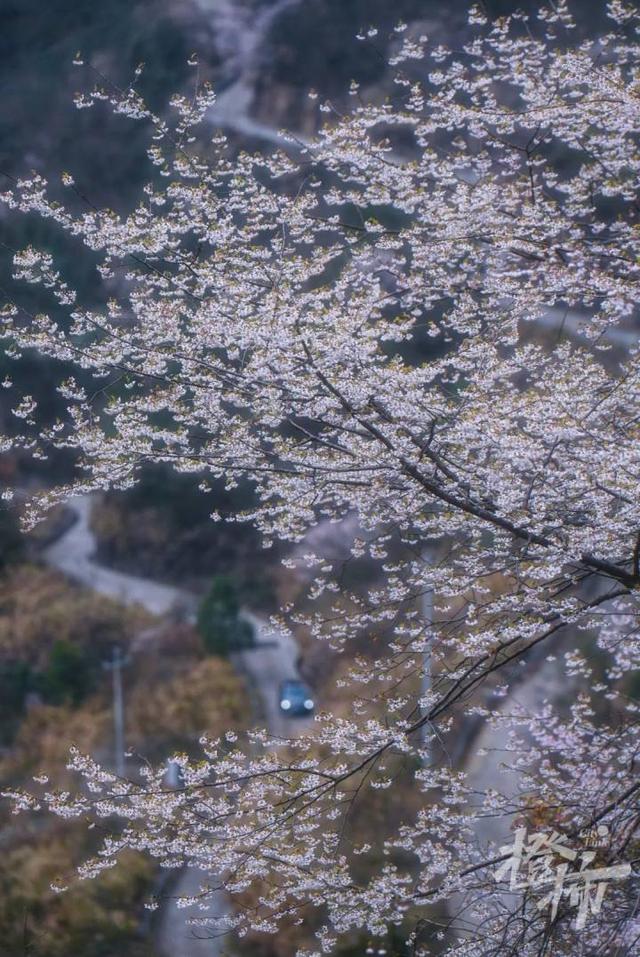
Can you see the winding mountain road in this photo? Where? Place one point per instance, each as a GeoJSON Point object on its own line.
{"type": "Point", "coordinates": [73, 553]}
{"type": "Point", "coordinates": [489, 762]}
{"type": "Point", "coordinates": [273, 660]}
{"type": "Point", "coordinates": [240, 31]}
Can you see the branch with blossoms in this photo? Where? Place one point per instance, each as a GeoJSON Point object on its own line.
{"type": "Point", "coordinates": [356, 329]}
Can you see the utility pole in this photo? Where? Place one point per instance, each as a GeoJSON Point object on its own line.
{"type": "Point", "coordinates": [426, 682]}
{"type": "Point", "coordinates": [115, 666]}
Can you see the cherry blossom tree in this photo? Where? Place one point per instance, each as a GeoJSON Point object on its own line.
{"type": "Point", "coordinates": [356, 326]}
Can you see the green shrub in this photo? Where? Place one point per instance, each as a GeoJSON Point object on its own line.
{"type": "Point", "coordinates": [68, 677]}
{"type": "Point", "coordinates": [15, 682]}
{"type": "Point", "coordinates": [11, 543]}
{"type": "Point", "coordinates": [219, 621]}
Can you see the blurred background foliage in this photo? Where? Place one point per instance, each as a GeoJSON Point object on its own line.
{"type": "Point", "coordinates": [54, 693]}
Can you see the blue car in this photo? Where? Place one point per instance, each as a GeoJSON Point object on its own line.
{"type": "Point", "coordinates": [296, 698]}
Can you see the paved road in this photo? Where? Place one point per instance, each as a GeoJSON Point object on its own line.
{"type": "Point", "coordinates": [487, 767]}
{"type": "Point", "coordinates": [266, 667]}
{"type": "Point", "coordinates": [73, 554]}
{"type": "Point", "coordinates": [174, 936]}
{"type": "Point", "coordinates": [488, 763]}
{"type": "Point", "coordinates": [240, 32]}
